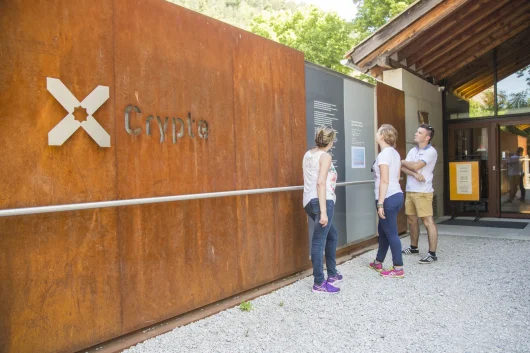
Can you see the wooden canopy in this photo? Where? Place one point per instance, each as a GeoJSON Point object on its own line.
{"type": "Point", "coordinates": [451, 42]}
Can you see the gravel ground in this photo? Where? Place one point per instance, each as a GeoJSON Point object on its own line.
{"type": "Point", "coordinates": [476, 298]}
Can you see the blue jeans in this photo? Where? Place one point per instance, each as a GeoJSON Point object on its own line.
{"type": "Point", "coordinates": [388, 231]}
{"type": "Point", "coordinates": [322, 235]}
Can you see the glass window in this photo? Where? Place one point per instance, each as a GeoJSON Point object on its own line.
{"type": "Point", "coordinates": [514, 167]}
{"type": "Point", "coordinates": [478, 106]}
{"type": "Point", "coordinates": [482, 104]}
{"type": "Point", "coordinates": [513, 92]}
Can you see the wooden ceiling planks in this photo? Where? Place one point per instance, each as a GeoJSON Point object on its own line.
{"type": "Point", "coordinates": [490, 42]}
{"type": "Point", "coordinates": [451, 41]}
{"type": "Point", "coordinates": [512, 56]}
{"type": "Point", "coordinates": [447, 43]}
{"type": "Point", "coordinates": [459, 24]}
{"type": "Point", "coordinates": [435, 15]}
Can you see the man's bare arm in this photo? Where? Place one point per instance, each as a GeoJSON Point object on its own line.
{"type": "Point", "coordinates": [413, 174]}
{"type": "Point", "coordinates": [413, 166]}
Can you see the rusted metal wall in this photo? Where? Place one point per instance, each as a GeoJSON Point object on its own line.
{"type": "Point", "coordinates": [71, 280]}
{"type": "Point", "coordinates": [391, 110]}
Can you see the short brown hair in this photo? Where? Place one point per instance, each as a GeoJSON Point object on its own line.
{"type": "Point", "coordinates": [389, 133]}
{"type": "Point", "coordinates": [430, 130]}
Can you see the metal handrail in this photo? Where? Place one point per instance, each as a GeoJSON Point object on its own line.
{"type": "Point", "coordinates": [148, 200]}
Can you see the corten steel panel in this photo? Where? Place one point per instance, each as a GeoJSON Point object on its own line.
{"type": "Point", "coordinates": [59, 272]}
{"type": "Point", "coordinates": [132, 261]}
{"type": "Point", "coordinates": [391, 110]}
{"type": "Point", "coordinates": [270, 111]}
{"type": "Point", "coordinates": [251, 93]}
{"type": "Point", "coordinates": [60, 281]}
{"type": "Point", "coordinates": [72, 43]}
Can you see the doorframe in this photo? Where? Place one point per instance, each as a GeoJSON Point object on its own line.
{"type": "Point", "coordinates": [503, 122]}
{"type": "Point", "coordinates": [494, 158]}
{"type": "Point", "coordinates": [493, 183]}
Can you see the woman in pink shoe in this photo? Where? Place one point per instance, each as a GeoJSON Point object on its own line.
{"type": "Point", "coordinates": [389, 200]}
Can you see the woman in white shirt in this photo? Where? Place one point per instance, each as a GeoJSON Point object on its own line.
{"type": "Point", "coordinates": [389, 200]}
{"type": "Point", "coordinates": [320, 178]}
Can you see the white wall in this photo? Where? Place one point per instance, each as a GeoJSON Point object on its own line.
{"type": "Point", "coordinates": [421, 96]}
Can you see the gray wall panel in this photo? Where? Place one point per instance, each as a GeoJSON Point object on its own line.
{"type": "Point", "coordinates": [359, 132]}
{"type": "Point", "coordinates": [325, 105]}
{"type": "Point", "coordinates": [348, 105]}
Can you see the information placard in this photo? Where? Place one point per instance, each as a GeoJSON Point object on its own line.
{"type": "Point", "coordinates": [464, 181]}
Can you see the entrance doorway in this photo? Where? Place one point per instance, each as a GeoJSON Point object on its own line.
{"type": "Point", "coordinates": [501, 147]}
{"type": "Point", "coordinates": [514, 168]}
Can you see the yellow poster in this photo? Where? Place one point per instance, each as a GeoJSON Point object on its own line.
{"type": "Point", "coordinates": [464, 181]}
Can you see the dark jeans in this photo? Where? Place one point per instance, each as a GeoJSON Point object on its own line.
{"type": "Point", "coordinates": [388, 231]}
{"type": "Point", "coordinates": [322, 236]}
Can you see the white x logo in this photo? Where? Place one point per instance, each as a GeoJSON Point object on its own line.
{"type": "Point", "coordinates": [66, 127]}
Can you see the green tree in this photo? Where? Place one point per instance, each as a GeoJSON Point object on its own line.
{"type": "Point", "coordinates": [522, 73]}
{"type": "Point", "coordinates": [483, 104]}
{"type": "Point", "coordinates": [323, 37]}
{"type": "Point", "coordinates": [372, 14]}
{"type": "Point", "coordinates": [237, 12]}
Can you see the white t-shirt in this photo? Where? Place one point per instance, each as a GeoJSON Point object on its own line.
{"type": "Point", "coordinates": [429, 156]}
{"type": "Point", "coordinates": [390, 157]}
{"type": "Point", "coordinates": [311, 166]}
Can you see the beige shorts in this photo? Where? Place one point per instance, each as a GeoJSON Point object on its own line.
{"type": "Point", "coordinates": [419, 204]}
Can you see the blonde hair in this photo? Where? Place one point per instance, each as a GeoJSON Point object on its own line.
{"type": "Point", "coordinates": [389, 133]}
{"type": "Point", "coordinates": [324, 136]}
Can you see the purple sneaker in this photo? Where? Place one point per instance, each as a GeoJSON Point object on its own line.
{"type": "Point", "coordinates": [325, 288]}
{"type": "Point", "coordinates": [334, 280]}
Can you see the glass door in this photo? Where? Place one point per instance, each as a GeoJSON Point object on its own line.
{"type": "Point", "coordinates": [475, 142]}
{"type": "Point", "coordinates": [514, 168]}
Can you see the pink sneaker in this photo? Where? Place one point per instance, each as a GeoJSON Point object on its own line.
{"type": "Point", "coordinates": [377, 267]}
{"type": "Point", "coordinates": [393, 273]}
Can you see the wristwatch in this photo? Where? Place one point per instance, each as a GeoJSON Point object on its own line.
{"type": "Point", "coordinates": [380, 205]}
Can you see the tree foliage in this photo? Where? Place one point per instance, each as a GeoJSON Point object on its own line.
{"type": "Point", "coordinates": [323, 37]}
{"type": "Point", "coordinates": [237, 12]}
{"type": "Point", "coordinates": [523, 72]}
{"type": "Point", "coordinates": [484, 103]}
{"type": "Point", "coordinates": [372, 14]}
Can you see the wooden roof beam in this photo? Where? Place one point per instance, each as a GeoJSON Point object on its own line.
{"type": "Point", "coordinates": [407, 33]}
{"type": "Point", "coordinates": [458, 82]}
{"type": "Point", "coordinates": [395, 25]}
{"type": "Point", "coordinates": [453, 45]}
{"type": "Point", "coordinates": [480, 40]}
{"type": "Point", "coordinates": [481, 48]}
{"type": "Point", "coordinates": [514, 67]}
{"type": "Point", "coordinates": [502, 74]}
{"type": "Point", "coordinates": [477, 81]}
{"type": "Point", "coordinates": [513, 54]}
{"type": "Point", "coordinates": [377, 72]}
{"type": "Point", "coordinates": [507, 52]}
{"type": "Point", "coordinates": [471, 71]}
{"type": "Point", "coordinates": [468, 91]}
{"type": "Point", "coordinates": [477, 90]}
{"type": "Point", "coordinates": [519, 47]}
{"type": "Point", "coordinates": [437, 35]}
